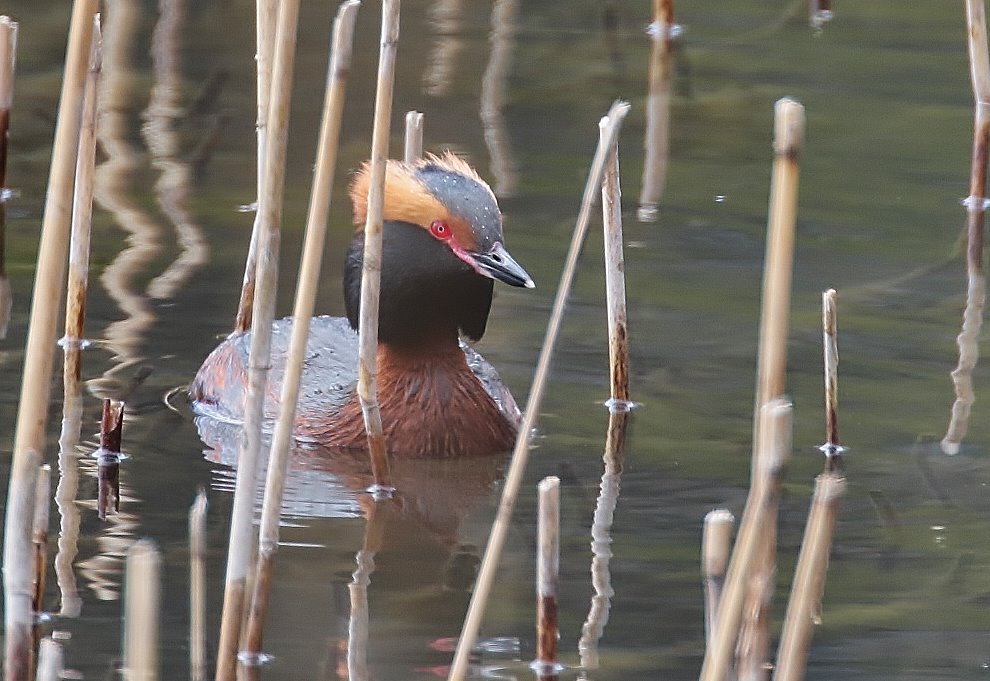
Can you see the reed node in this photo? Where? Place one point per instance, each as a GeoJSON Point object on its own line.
{"type": "Point", "coordinates": [309, 275]}
{"type": "Point", "coordinates": [242, 537]}
{"type": "Point", "coordinates": [367, 387]}
{"type": "Point", "coordinates": [520, 453]}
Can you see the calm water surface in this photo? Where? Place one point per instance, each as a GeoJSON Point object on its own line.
{"type": "Point", "coordinates": [888, 99]}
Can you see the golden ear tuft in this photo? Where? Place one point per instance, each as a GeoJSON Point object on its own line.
{"type": "Point", "coordinates": [406, 198]}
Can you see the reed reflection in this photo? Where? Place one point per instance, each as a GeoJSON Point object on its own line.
{"type": "Point", "coordinates": [656, 144]}
{"type": "Point", "coordinates": [493, 87]}
{"type": "Point", "coordinates": [445, 18]}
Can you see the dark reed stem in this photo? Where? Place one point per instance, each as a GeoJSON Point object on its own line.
{"type": "Point", "coordinates": [32, 415]}
{"type": "Point", "coordinates": [367, 387]}
{"type": "Point", "coordinates": [976, 207]}
{"type": "Point", "coordinates": [309, 275]}
{"type": "Point", "coordinates": [520, 453]}
{"type": "Point", "coordinates": [547, 576]}
{"type": "Point", "coordinates": [108, 457]}
{"type": "Point", "coordinates": [242, 536]}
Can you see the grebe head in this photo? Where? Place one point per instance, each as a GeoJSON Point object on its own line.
{"type": "Point", "coordinates": [443, 247]}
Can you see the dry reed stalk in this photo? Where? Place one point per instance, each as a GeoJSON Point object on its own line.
{"type": "Point", "coordinates": [8, 59]}
{"type": "Point", "coordinates": [82, 212]}
{"type": "Point", "coordinates": [367, 387]}
{"type": "Point", "coordinates": [50, 661]}
{"type": "Point", "coordinates": [306, 289]}
{"type": "Point", "coordinates": [520, 453]}
{"type": "Point", "coordinates": [601, 540]}
{"type": "Point", "coordinates": [615, 282]}
{"type": "Point", "coordinates": [265, 28]}
{"type": "Point", "coordinates": [776, 426]}
{"type": "Point", "coordinates": [656, 143]}
{"type": "Point", "coordinates": [772, 363]}
{"type": "Point", "coordinates": [547, 576]}
{"type": "Point", "coordinates": [716, 544]}
{"type": "Point", "coordinates": [830, 349]}
{"type": "Point", "coordinates": [18, 578]}
{"type": "Point", "coordinates": [39, 535]}
{"type": "Point", "coordinates": [492, 97]}
{"type": "Point", "coordinates": [241, 530]}
{"type": "Point", "coordinates": [197, 588]}
{"type": "Point", "coordinates": [804, 605]}
{"type": "Point", "coordinates": [32, 415]}
{"type": "Point", "coordinates": [108, 457]}
{"type": "Point", "coordinates": [414, 137]}
{"type": "Point", "coordinates": [976, 206]}
{"type": "Point", "coordinates": [142, 593]}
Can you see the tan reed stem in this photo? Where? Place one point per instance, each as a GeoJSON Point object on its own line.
{"type": "Point", "coordinates": [142, 594]}
{"type": "Point", "coordinates": [772, 362]}
{"type": "Point", "coordinates": [8, 59]}
{"type": "Point", "coordinates": [50, 661]}
{"type": "Point", "coordinates": [306, 289]}
{"type": "Point", "coordinates": [656, 143]}
{"type": "Point", "coordinates": [266, 13]}
{"type": "Point", "coordinates": [241, 530]}
{"type": "Point", "coordinates": [716, 544]}
{"type": "Point", "coordinates": [82, 210]}
{"type": "Point", "coordinates": [976, 206]}
{"type": "Point", "coordinates": [615, 282]}
{"type": "Point", "coordinates": [520, 453]}
{"type": "Point", "coordinates": [830, 348]}
{"type": "Point", "coordinates": [547, 575]}
{"type": "Point", "coordinates": [414, 136]}
{"type": "Point", "coordinates": [39, 535]}
{"type": "Point", "coordinates": [197, 588]}
{"type": "Point", "coordinates": [32, 415]}
{"type": "Point", "coordinates": [776, 426]}
{"type": "Point", "coordinates": [367, 387]}
{"type": "Point", "coordinates": [804, 605]}
{"type": "Point", "coordinates": [601, 540]}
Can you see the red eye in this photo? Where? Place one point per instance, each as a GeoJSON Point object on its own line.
{"type": "Point", "coordinates": [440, 229]}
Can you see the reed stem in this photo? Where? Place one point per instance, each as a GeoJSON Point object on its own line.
{"type": "Point", "coordinates": [108, 457]}
{"type": "Point", "coordinates": [50, 661]}
{"type": "Point", "coordinates": [547, 576]}
{"type": "Point", "coordinates": [39, 535]}
{"type": "Point", "coordinates": [241, 529]}
{"type": "Point", "coordinates": [716, 545]}
{"type": "Point", "coordinates": [414, 137]}
{"type": "Point", "coordinates": [615, 282]}
{"type": "Point", "coordinates": [309, 275]}
{"type": "Point", "coordinates": [32, 415]}
{"type": "Point", "coordinates": [197, 588]}
{"type": "Point", "coordinates": [8, 59]}
{"type": "Point", "coordinates": [266, 15]}
{"type": "Point", "coordinates": [656, 142]}
{"type": "Point", "coordinates": [520, 453]}
{"type": "Point", "coordinates": [142, 594]}
{"type": "Point", "coordinates": [367, 387]}
{"type": "Point", "coordinates": [976, 207]}
{"type": "Point", "coordinates": [775, 425]}
{"type": "Point", "coordinates": [82, 210]}
{"type": "Point", "coordinates": [804, 605]}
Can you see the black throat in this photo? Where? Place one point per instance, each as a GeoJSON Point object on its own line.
{"type": "Point", "coordinates": [428, 294]}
